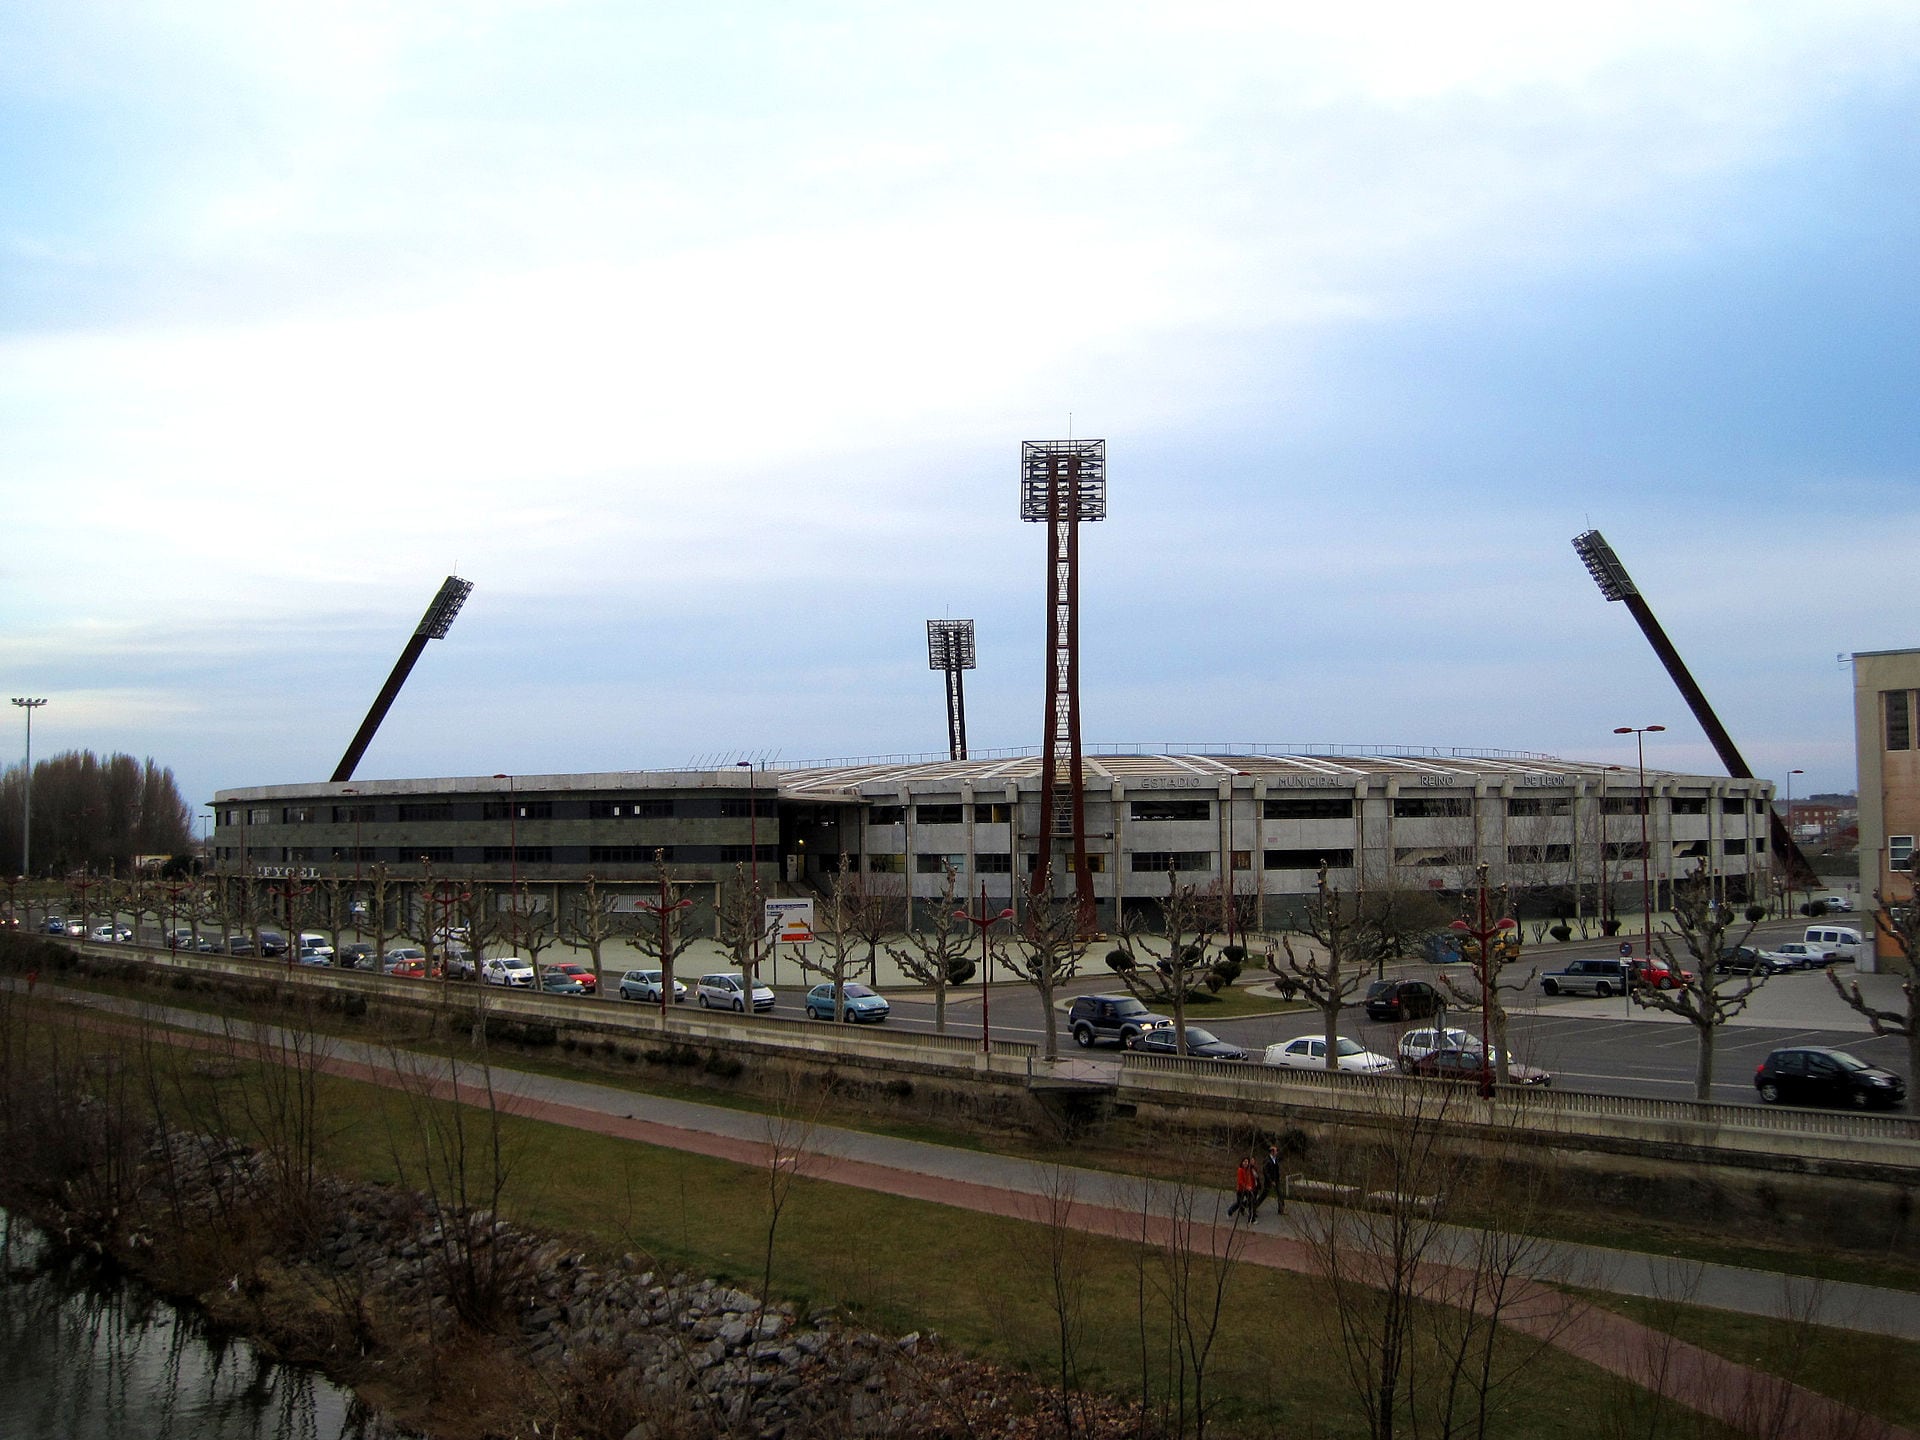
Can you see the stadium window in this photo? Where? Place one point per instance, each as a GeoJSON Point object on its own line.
{"type": "Point", "coordinates": [937, 814]}
{"type": "Point", "coordinates": [1308, 807]}
{"type": "Point", "coordinates": [1171, 810]}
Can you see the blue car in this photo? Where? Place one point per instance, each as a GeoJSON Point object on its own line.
{"type": "Point", "coordinates": [857, 1003]}
{"type": "Point", "coordinates": [558, 982]}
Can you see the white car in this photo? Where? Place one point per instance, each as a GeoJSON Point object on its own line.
{"type": "Point", "coordinates": [1798, 955]}
{"type": "Point", "coordinates": [112, 933]}
{"type": "Point", "coordinates": [722, 991]}
{"type": "Point", "coordinates": [644, 985]}
{"type": "Point", "coordinates": [1309, 1052]}
{"type": "Point", "coordinates": [315, 941]}
{"type": "Point", "coordinates": [508, 970]}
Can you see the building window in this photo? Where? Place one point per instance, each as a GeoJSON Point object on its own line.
{"type": "Point", "coordinates": [1171, 810]}
{"type": "Point", "coordinates": [1307, 807]}
{"type": "Point", "coordinates": [1625, 805]}
{"type": "Point", "coordinates": [994, 864]}
{"type": "Point", "coordinates": [352, 814]}
{"type": "Point", "coordinates": [1243, 860]}
{"type": "Point", "coordinates": [998, 813]}
{"type": "Point", "coordinates": [428, 812]}
{"type": "Point", "coordinates": [1308, 859]}
{"type": "Point", "coordinates": [1096, 863]}
{"type": "Point", "coordinates": [1431, 807]}
{"type": "Point", "coordinates": [1423, 856]}
{"type": "Point", "coordinates": [1899, 706]}
{"type": "Point", "coordinates": [937, 814]}
{"type": "Point", "coordinates": [1152, 862]}
{"type": "Point", "coordinates": [1539, 854]}
{"type": "Point", "coordinates": [630, 809]}
{"type": "Point", "coordinates": [1900, 852]}
{"type": "Point", "coordinates": [886, 814]}
{"type": "Point", "coordinates": [1733, 807]}
{"type": "Point", "coordinates": [1626, 850]}
{"type": "Point", "coordinates": [259, 817]}
{"type": "Point", "coordinates": [937, 864]}
{"type": "Point", "coordinates": [296, 815]}
{"type": "Point", "coordinates": [1733, 847]}
{"type": "Point", "coordinates": [1697, 805]}
{"type": "Point", "coordinates": [1539, 805]}
{"type": "Point", "coordinates": [885, 864]}
{"type": "Point", "coordinates": [433, 854]}
{"type": "Point", "coordinates": [627, 854]}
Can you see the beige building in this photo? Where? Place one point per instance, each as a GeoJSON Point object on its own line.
{"type": "Point", "coordinates": [1886, 717]}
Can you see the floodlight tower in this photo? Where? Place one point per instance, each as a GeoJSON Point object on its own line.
{"type": "Point", "coordinates": [950, 648]}
{"type": "Point", "coordinates": [1615, 584]}
{"type": "Point", "coordinates": [1063, 482]}
{"type": "Point", "coordinates": [433, 626]}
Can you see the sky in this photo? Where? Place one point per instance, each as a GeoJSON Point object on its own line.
{"type": "Point", "coordinates": [703, 339]}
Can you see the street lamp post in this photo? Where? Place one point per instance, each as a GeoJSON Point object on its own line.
{"type": "Point", "coordinates": [513, 854]}
{"type": "Point", "coordinates": [28, 704]}
{"type": "Point", "coordinates": [986, 920]}
{"type": "Point", "coordinates": [1640, 733]}
{"type": "Point", "coordinates": [1790, 775]}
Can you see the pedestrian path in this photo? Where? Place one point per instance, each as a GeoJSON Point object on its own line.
{"type": "Point", "coordinates": [1128, 1208]}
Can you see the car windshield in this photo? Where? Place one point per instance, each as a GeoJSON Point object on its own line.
{"type": "Point", "coordinates": [1344, 1046]}
{"type": "Point", "coordinates": [1197, 1036]}
{"type": "Point", "coordinates": [855, 992]}
{"type": "Point", "coordinates": [1128, 1007]}
{"type": "Point", "coordinates": [1846, 1061]}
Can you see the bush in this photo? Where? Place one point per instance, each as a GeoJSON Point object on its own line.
{"type": "Point", "coordinates": [1755, 913]}
{"type": "Point", "coordinates": [1562, 933]}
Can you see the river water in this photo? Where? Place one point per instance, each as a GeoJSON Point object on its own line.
{"type": "Point", "coordinates": [88, 1356]}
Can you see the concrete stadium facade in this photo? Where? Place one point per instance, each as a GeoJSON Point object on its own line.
{"type": "Point", "coordinates": [1252, 823]}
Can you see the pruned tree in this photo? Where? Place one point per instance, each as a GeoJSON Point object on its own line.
{"type": "Point", "coordinates": [1048, 955]}
{"type": "Point", "coordinates": [531, 928]}
{"type": "Point", "coordinates": [936, 956]}
{"type": "Point", "coordinates": [1900, 921]}
{"type": "Point", "coordinates": [742, 931]}
{"type": "Point", "coordinates": [877, 906]}
{"type": "Point", "coordinates": [382, 896]}
{"type": "Point", "coordinates": [659, 935]}
{"type": "Point", "coordinates": [1330, 972]}
{"type": "Point", "coordinates": [1198, 1252]}
{"type": "Point", "coordinates": [837, 937]}
{"type": "Point", "coordinates": [590, 921]}
{"type": "Point", "coordinates": [333, 908]}
{"type": "Point", "coordinates": [1165, 968]}
{"type": "Point", "coordinates": [1714, 995]}
{"type": "Point", "coordinates": [1480, 989]}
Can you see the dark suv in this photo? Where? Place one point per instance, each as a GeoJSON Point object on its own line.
{"type": "Point", "coordinates": [1119, 1018]}
{"type": "Point", "coordinates": [1403, 1000]}
{"type": "Point", "coordinates": [1816, 1075]}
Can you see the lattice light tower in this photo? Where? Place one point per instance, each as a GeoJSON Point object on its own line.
{"type": "Point", "coordinates": [950, 649]}
{"type": "Point", "coordinates": [1063, 482]}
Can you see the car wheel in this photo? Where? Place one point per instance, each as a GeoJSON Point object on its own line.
{"type": "Point", "coordinates": [703, 1001]}
{"type": "Point", "coordinates": [740, 1005]}
{"type": "Point", "coordinates": [1083, 1036]}
{"type": "Point", "coordinates": [1603, 990]}
{"type": "Point", "coordinates": [1769, 1092]}
{"type": "Point", "coordinates": [1552, 987]}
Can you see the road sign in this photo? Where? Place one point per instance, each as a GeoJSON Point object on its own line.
{"type": "Point", "coordinates": [1626, 948]}
{"type": "Point", "coordinates": [790, 922]}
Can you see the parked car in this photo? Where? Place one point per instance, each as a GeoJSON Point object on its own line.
{"type": "Point", "coordinates": [722, 991]}
{"type": "Point", "coordinates": [1309, 1052]}
{"type": "Point", "coordinates": [272, 943]}
{"type": "Point", "coordinates": [458, 961]}
{"type": "Point", "coordinates": [1473, 1065]}
{"type": "Point", "coordinates": [1818, 1075]}
{"type": "Point", "coordinates": [508, 970]}
{"type": "Point", "coordinates": [1745, 960]}
{"type": "Point", "coordinates": [1835, 903]}
{"type": "Point", "coordinates": [857, 1002]}
{"type": "Point", "coordinates": [415, 970]}
{"type": "Point", "coordinates": [314, 940]}
{"type": "Point", "coordinates": [110, 933]}
{"type": "Point", "coordinates": [1201, 1044]}
{"type": "Point", "coordinates": [645, 985]}
{"type": "Point", "coordinates": [181, 937]}
{"type": "Point", "coordinates": [54, 925]}
{"type": "Point", "coordinates": [357, 955]}
{"type": "Point", "coordinates": [314, 957]}
{"type": "Point", "coordinates": [1119, 1019]}
{"type": "Point", "coordinates": [1426, 1039]}
{"type": "Point", "coordinates": [1802, 956]}
{"type": "Point", "coordinates": [402, 955]}
{"type": "Point", "coordinates": [77, 929]}
{"type": "Point", "coordinates": [1657, 974]}
{"type": "Point", "coordinates": [239, 945]}
{"type": "Point", "coordinates": [589, 981]}
{"type": "Point", "coordinates": [1587, 977]}
{"type": "Point", "coordinates": [1403, 1000]}
{"type": "Point", "coordinates": [555, 981]}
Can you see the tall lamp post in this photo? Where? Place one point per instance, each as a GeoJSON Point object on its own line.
{"type": "Point", "coordinates": [985, 920]}
{"type": "Point", "coordinates": [28, 704]}
{"type": "Point", "coordinates": [513, 855]}
{"type": "Point", "coordinates": [1640, 733]}
{"type": "Point", "coordinates": [1790, 775]}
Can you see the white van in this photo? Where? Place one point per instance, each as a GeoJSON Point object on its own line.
{"type": "Point", "coordinates": [313, 940]}
{"type": "Point", "coordinates": [1841, 940]}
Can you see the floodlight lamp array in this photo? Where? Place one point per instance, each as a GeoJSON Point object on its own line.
{"type": "Point", "coordinates": [439, 617]}
{"type": "Point", "coordinates": [1605, 567]}
{"type": "Point", "coordinates": [1050, 461]}
{"type": "Point", "coordinates": [950, 645]}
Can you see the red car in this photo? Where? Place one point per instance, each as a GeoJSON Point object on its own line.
{"type": "Point", "coordinates": [1658, 974]}
{"type": "Point", "coordinates": [415, 970]}
{"type": "Point", "coordinates": [588, 980]}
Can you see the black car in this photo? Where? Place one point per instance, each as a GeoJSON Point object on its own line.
{"type": "Point", "coordinates": [1201, 1044]}
{"type": "Point", "coordinates": [1119, 1018]}
{"type": "Point", "coordinates": [1817, 1075]}
{"type": "Point", "coordinates": [358, 955]}
{"type": "Point", "coordinates": [1470, 1065]}
{"type": "Point", "coordinates": [272, 943]}
{"type": "Point", "coordinates": [1403, 1000]}
{"type": "Point", "coordinates": [239, 945]}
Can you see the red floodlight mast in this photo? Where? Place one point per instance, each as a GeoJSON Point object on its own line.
{"type": "Point", "coordinates": [433, 626]}
{"type": "Point", "coordinates": [1063, 482]}
{"type": "Point", "coordinates": [950, 649]}
{"type": "Point", "coordinates": [1615, 584]}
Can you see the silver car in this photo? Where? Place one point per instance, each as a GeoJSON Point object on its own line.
{"type": "Point", "coordinates": [645, 985]}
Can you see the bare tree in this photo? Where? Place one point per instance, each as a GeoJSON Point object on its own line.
{"type": "Point", "coordinates": [590, 920]}
{"type": "Point", "coordinates": [1901, 921]}
{"type": "Point", "coordinates": [743, 931]}
{"type": "Point", "coordinates": [1198, 1251]}
{"type": "Point", "coordinates": [837, 936]}
{"type": "Point", "coordinates": [1483, 986]}
{"type": "Point", "coordinates": [1712, 997]}
{"type": "Point", "coordinates": [1165, 968]}
{"type": "Point", "coordinates": [790, 1154]}
{"type": "Point", "coordinates": [877, 906]}
{"type": "Point", "coordinates": [1331, 972]}
{"type": "Point", "coordinates": [660, 936]}
{"type": "Point", "coordinates": [1064, 1278]}
{"type": "Point", "coordinates": [1049, 955]}
{"type": "Point", "coordinates": [937, 955]}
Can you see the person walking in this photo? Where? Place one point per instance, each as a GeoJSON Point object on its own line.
{"type": "Point", "coordinates": [1271, 1180]}
{"type": "Point", "coordinates": [1246, 1183]}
